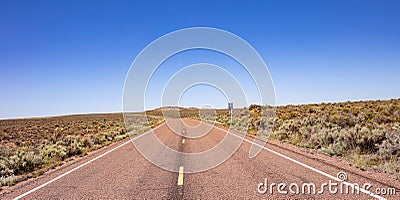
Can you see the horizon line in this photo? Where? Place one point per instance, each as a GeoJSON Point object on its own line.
{"type": "Point", "coordinates": [121, 112]}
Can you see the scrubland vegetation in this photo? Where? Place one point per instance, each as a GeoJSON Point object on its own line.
{"type": "Point", "coordinates": [367, 133]}
{"type": "Point", "coordinates": [29, 147]}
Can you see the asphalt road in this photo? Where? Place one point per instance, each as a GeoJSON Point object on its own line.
{"type": "Point", "coordinates": [119, 171]}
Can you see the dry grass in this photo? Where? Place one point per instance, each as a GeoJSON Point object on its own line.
{"type": "Point", "coordinates": [29, 147]}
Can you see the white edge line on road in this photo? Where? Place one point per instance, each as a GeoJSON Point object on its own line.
{"type": "Point", "coordinates": [306, 166]}
{"type": "Point", "coordinates": [180, 176]}
{"type": "Point", "coordinates": [90, 161]}
{"type": "Point", "coordinates": [70, 171]}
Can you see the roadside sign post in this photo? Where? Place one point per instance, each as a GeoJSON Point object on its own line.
{"type": "Point", "coordinates": [230, 108]}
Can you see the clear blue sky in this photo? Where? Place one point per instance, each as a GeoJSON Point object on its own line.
{"type": "Point", "coordinates": [60, 57]}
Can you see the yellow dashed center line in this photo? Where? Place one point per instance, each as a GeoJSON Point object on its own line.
{"type": "Point", "coordinates": [180, 176]}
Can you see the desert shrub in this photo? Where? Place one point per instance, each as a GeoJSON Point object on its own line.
{"type": "Point", "coordinates": [87, 142]}
{"type": "Point", "coordinates": [393, 166]}
{"type": "Point", "coordinates": [323, 137]}
{"type": "Point", "coordinates": [74, 148]}
{"type": "Point", "coordinates": [5, 170]}
{"type": "Point", "coordinates": [390, 147]}
{"type": "Point", "coordinates": [31, 161]}
{"type": "Point", "coordinates": [20, 162]}
{"type": "Point", "coordinates": [364, 161]}
{"type": "Point", "coordinates": [8, 180]}
{"type": "Point", "coordinates": [337, 149]}
{"type": "Point", "coordinates": [53, 152]}
{"type": "Point", "coordinates": [240, 123]}
{"type": "Point", "coordinates": [120, 137]}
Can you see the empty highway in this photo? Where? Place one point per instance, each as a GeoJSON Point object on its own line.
{"type": "Point", "coordinates": [119, 171]}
